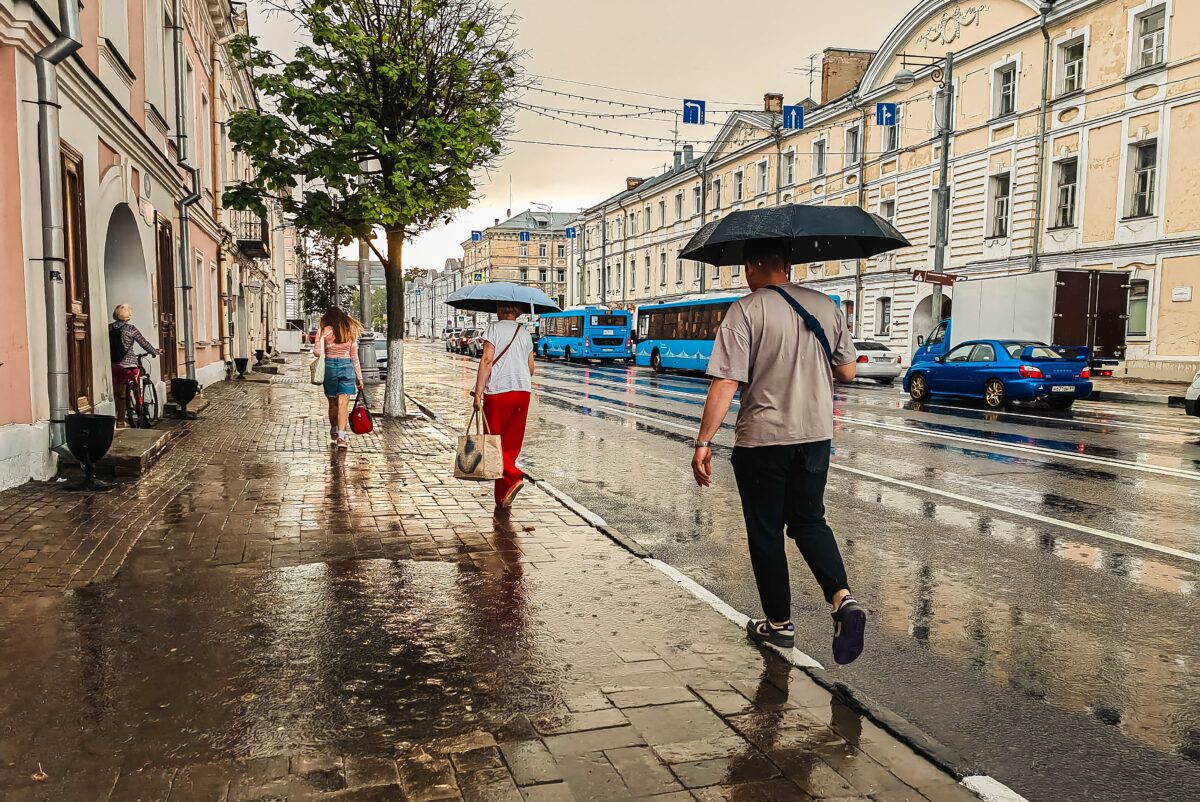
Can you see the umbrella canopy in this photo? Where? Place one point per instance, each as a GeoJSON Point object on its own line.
{"type": "Point", "coordinates": [805, 233]}
{"type": "Point", "coordinates": [485, 297]}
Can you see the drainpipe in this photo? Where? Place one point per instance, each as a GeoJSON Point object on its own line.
{"type": "Point", "coordinates": [54, 244]}
{"type": "Point", "coordinates": [185, 235]}
{"type": "Point", "coordinates": [1047, 7]}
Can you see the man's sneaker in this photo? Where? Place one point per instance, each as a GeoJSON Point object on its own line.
{"type": "Point", "coordinates": [763, 631]}
{"type": "Point", "coordinates": [849, 628]}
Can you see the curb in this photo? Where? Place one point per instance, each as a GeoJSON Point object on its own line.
{"type": "Point", "coordinates": [1140, 398]}
{"type": "Point", "coordinates": [597, 523]}
{"type": "Point", "coordinates": [425, 410]}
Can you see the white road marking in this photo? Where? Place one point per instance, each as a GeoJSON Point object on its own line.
{"type": "Point", "coordinates": [795, 656]}
{"type": "Point", "coordinates": [1032, 516]}
{"type": "Point", "coordinates": [989, 789]}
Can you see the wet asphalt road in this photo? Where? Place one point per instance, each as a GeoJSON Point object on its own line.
{"type": "Point", "coordinates": [1012, 617]}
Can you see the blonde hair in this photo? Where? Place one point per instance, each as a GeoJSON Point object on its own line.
{"type": "Point", "coordinates": [123, 312]}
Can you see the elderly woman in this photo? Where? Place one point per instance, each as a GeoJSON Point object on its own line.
{"type": "Point", "coordinates": [122, 336]}
{"type": "Point", "coordinates": [502, 390]}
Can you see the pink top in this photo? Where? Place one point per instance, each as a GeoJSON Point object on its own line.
{"type": "Point", "coordinates": [336, 350]}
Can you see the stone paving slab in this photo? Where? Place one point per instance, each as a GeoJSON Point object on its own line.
{"type": "Point", "coordinates": [262, 618]}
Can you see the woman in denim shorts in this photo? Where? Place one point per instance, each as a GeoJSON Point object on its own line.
{"type": "Point", "coordinates": [338, 341]}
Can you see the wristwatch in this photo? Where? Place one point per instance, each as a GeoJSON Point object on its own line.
{"type": "Point", "coordinates": [702, 444]}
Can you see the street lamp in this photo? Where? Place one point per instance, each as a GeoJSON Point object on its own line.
{"type": "Point", "coordinates": [943, 74]}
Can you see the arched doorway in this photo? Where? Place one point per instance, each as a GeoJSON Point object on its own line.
{"type": "Point", "coordinates": [923, 319]}
{"type": "Point", "coordinates": [126, 277]}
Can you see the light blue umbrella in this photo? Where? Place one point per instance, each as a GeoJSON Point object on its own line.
{"type": "Point", "coordinates": [485, 297]}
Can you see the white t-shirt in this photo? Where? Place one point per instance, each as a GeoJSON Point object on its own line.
{"type": "Point", "coordinates": [511, 372]}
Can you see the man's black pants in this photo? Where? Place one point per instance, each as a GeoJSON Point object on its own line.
{"type": "Point", "coordinates": [785, 485]}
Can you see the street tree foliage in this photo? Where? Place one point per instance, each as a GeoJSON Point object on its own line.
{"type": "Point", "coordinates": [319, 288]}
{"type": "Point", "coordinates": [382, 121]}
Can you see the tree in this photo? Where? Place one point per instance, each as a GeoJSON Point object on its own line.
{"type": "Point", "coordinates": [382, 122]}
{"type": "Point", "coordinates": [319, 289]}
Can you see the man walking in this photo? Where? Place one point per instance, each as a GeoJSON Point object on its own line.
{"type": "Point", "coordinates": [784, 345]}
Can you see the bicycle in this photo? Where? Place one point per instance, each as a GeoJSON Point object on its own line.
{"type": "Point", "coordinates": [142, 409]}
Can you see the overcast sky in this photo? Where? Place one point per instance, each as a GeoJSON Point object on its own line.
{"type": "Point", "coordinates": [721, 51]}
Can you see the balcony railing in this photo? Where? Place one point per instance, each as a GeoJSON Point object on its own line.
{"type": "Point", "coordinates": [252, 234]}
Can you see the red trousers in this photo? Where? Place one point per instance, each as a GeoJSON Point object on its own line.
{"type": "Point", "coordinates": [506, 413]}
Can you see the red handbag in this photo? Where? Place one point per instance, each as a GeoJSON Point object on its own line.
{"type": "Point", "coordinates": [360, 416]}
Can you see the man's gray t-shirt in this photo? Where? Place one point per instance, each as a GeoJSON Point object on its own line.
{"type": "Point", "coordinates": [787, 383]}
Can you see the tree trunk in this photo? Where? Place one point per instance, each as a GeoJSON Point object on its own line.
{"type": "Point", "coordinates": [393, 395]}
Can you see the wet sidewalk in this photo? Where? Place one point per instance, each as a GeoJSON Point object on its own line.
{"type": "Point", "coordinates": [262, 618]}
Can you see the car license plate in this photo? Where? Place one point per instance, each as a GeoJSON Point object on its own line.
{"type": "Point", "coordinates": [1063, 388]}
{"type": "Point", "coordinates": [882, 359]}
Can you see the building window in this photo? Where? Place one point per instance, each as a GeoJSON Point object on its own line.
{"type": "Point", "coordinates": [1070, 55]}
{"type": "Point", "coordinates": [697, 200]}
{"type": "Point", "coordinates": [542, 276]}
{"type": "Point", "coordinates": [562, 276]}
{"type": "Point", "coordinates": [698, 271]}
{"type": "Point", "coordinates": [887, 210]}
{"type": "Point", "coordinates": [789, 168]}
{"type": "Point", "coordinates": [1005, 88]}
{"type": "Point", "coordinates": [562, 251]}
{"type": "Point", "coordinates": [678, 271]}
{"type": "Point", "coordinates": [679, 207]}
{"type": "Point", "coordinates": [818, 154]}
{"type": "Point", "coordinates": [716, 193]}
{"type": "Point", "coordinates": [762, 177]}
{"type": "Point", "coordinates": [1139, 303]}
{"type": "Point", "coordinates": [632, 223]}
{"type": "Point", "coordinates": [541, 250]}
{"type": "Point", "coordinates": [1001, 192]}
{"type": "Point", "coordinates": [1145, 176]}
{"type": "Point", "coordinates": [662, 268]}
{"type": "Point", "coordinates": [1152, 40]}
{"type": "Point", "coordinates": [891, 134]}
{"type": "Point", "coordinates": [735, 271]}
{"type": "Point", "coordinates": [1066, 178]}
{"type": "Point", "coordinates": [524, 274]}
{"type": "Point", "coordinates": [662, 212]}
{"type": "Point", "coordinates": [739, 188]}
{"type": "Point", "coordinates": [524, 249]}
{"type": "Point", "coordinates": [649, 219]}
{"type": "Point", "coordinates": [632, 274]}
{"type": "Point", "coordinates": [883, 317]}
{"type": "Point", "coordinates": [647, 271]}
{"type": "Point", "coordinates": [853, 149]}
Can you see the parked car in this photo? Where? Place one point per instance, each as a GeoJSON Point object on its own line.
{"type": "Point", "coordinates": [1191, 399]}
{"type": "Point", "coordinates": [464, 340]}
{"type": "Point", "coordinates": [877, 361]}
{"type": "Point", "coordinates": [450, 336]}
{"type": "Point", "coordinates": [1003, 371]}
{"type": "Point", "coordinates": [475, 345]}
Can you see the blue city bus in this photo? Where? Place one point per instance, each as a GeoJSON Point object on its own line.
{"type": "Point", "coordinates": [591, 333]}
{"type": "Point", "coordinates": [679, 335]}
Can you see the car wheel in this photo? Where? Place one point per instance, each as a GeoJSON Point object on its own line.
{"type": "Point", "coordinates": [994, 395]}
{"type": "Point", "coordinates": [567, 355]}
{"type": "Point", "coordinates": [885, 381]}
{"type": "Point", "coordinates": [1061, 404]}
{"type": "Point", "coordinates": [656, 362]}
{"type": "Point", "coordinates": [918, 388]}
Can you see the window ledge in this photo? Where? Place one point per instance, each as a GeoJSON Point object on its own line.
{"type": "Point", "coordinates": [1003, 119]}
{"type": "Point", "coordinates": [1074, 94]}
{"type": "Point", "coordinates": [1136, 217]}
{"type": "Point", "coordinates": [1063, 228]}
{"type": "Point", "coordinates": [1142, 72]}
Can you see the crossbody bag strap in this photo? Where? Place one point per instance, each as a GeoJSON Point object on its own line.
{"type": "Point", "coordinates": [500, 355]}
{"type": "Point", "coordinates": [811, 322]}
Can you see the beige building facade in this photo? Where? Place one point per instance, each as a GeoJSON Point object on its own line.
{"type": "Point", "coordinates": [530, 248]}
{"type": "Point", "coordinates": [1112, 170]}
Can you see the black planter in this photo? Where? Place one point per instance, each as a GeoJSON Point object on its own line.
{"type": "Point", "coordinates": [88, 438]}
{"type": "Point", "coordinates": [241, 363]}
{"type": "Point", "coordinates": [184, 391]}
{"type": "Point", "coordinates": [258, 356]}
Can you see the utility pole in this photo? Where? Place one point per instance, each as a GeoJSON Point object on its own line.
{"type": "Point", "coordinates": [366, 350]}
{"type": "Point", "coordinates": [943, 222]}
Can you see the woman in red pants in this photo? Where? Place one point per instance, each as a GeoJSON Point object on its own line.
{"type": "Point", "coordinates": [502, 390]}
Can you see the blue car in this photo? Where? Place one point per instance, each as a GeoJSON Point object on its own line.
{"type": "Point", "coordinates": [1003, 371]}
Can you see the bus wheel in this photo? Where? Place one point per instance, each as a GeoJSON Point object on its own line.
{"type": "Point", "coordinates": [567, 354]}
{"type": "Point", "coordinates": [656, 362]}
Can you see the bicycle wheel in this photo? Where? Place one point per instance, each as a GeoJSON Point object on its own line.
{"type": "Point", "coordinates": [150, 406]}
{"type": "Point", "coordinates": [133, 408]}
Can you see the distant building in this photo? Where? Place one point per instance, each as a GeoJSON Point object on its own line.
{"type": "Point", "coordinates": [530, 248]}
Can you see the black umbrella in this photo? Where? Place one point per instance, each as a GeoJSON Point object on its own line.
{"type": "Point", "coordinates": [804, 233]}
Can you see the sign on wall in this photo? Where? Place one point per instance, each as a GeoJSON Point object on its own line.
{"type": "Point", "coordinates": [1181, 294]}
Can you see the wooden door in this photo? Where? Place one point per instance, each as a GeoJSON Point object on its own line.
{"type": "Point", "coordinates": [75, 274]}
{"type": "Point", "coordinates": [165, 279]}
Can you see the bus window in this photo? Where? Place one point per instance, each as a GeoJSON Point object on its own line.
{"type": "Point", "coordinates": [576, 322]}
{"type": "Point", "coordinates": [608, 320]}
{"type": "Point", "coordinates": [644, 324]}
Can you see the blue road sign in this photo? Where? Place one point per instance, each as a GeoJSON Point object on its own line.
{"type": "Point", "coordinates": [793, 118]}
{"type": "Point", "coordinates": [570, 233]}
{"type": "Point", "coordinates": [885, 114]}
{"type": "Point", "coordinates": [693, 112]}
{"type": "Point", "coordinates": [524, 236]}
{"type": "Point", "coordinates": [476, 236]}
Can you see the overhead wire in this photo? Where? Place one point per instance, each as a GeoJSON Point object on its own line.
{"type": "Point", "coordinates": [631, 91]}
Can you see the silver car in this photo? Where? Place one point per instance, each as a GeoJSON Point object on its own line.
{"type": "Point", "coordinates": [877, 361]}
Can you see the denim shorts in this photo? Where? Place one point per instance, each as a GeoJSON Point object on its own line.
{"type": "Point", "coordinates": [340, 378]}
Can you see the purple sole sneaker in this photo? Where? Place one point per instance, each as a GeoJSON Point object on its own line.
{"type": "Point", "coordinates": [849, 631]}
